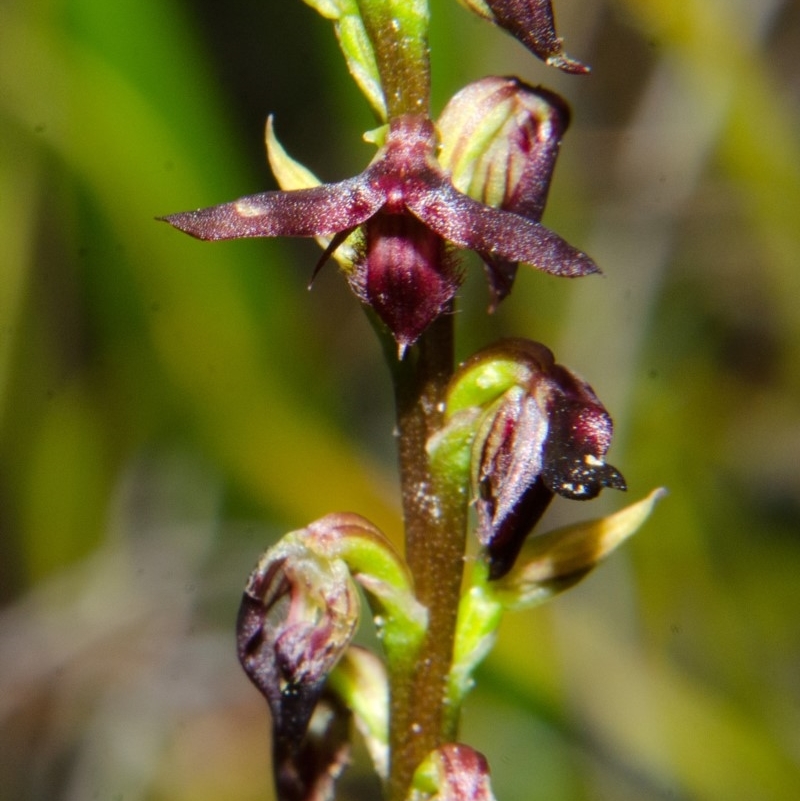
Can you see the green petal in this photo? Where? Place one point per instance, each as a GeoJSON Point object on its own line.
{"type": "Point", "coordinates": [359, 679]}
{"type": "Point", "coordinates": [289, 174]}
{"type": "Point", "coordinates": [356, 46]}
{"type": "Point", "coordinates": [552, 562]}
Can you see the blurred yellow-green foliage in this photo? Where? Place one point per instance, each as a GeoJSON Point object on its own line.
{"type": "Point", "coordinates": [168, 408]}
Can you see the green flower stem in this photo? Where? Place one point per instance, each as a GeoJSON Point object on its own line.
{"type": "Point", "coordinates": [435, 514]}
{"type": "Point", "coordinates": [398, 30]}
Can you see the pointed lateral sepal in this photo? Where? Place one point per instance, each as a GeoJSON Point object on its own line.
{"type": "Point", "coordinates": [360, 681]}
{"type": "Point", "coordinates": [552, 562]}
{"type": "Point", "coordinates": [532, 23]}
{"type": "Point", "coordinates": [453, 772]}
{"type": "Point", "coordinates": [497, 234]}
{"type": "Point", "coordinates": [320, 211]}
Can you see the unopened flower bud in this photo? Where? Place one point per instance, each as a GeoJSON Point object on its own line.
{"type": "Point", "coordinates": [300, 610]}
{"type": "Point", "coordinates": [298, 614]}
{"type": "Point", "coordinates": [499, 142]}
{"type": "Point", "coordinates": [453, 772]}
{"type": "Point", "coordinates": [542, 431]}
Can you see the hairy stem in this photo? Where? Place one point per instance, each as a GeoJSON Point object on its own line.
{"type": "Point", "coordinates": [435, 521]}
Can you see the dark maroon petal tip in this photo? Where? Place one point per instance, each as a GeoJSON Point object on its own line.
{"type": "Point", "coordinates": [532, 23]}
{"type": "Point", "coordinates": [580, 435]}
{"type": "Point", "coordinates": [580, 477]}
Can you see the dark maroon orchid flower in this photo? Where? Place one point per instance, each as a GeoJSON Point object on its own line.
{"type": "Point", "coordinates": [410, 213]}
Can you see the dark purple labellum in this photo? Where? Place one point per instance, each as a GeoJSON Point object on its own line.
{"type": "Point", "coordinates": [580, 435]}
{"type": "Point", "coordinates": [405, 275]}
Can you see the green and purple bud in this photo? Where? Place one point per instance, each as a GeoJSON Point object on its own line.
{"type": "Point", "coordinates": [298, 615]}
{"type": "Point", "coordinates": [499, 141]}
{"type": "Point", "coordinates": [534, 429]}
{"type": "Point", "coordinates": [453, 772]}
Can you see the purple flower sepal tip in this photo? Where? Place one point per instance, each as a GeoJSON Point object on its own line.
{"type": "Point", "coordinates": [410, 213]}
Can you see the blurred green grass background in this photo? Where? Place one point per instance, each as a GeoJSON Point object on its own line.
{"type": "Point", "coordinates": [168, 408]}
